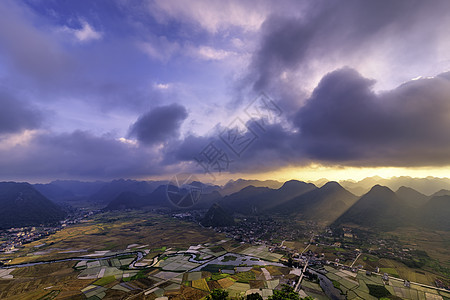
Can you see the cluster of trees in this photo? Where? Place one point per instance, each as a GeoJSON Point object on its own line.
{"type": "Point", "coordinates": [286, 293]}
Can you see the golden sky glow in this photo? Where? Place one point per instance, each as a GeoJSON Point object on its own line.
{"type": "Point", "coordinates": [315, 172]}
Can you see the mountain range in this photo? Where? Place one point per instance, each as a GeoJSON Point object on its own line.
{"type": "Point", "coordinates": [22, 205]}
{"type": "Point", "coordinates": [331, 203]}
{"type": "Point", "coordinates": [427, 186]}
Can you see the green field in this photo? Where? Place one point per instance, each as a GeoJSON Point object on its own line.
{"type": "Point", "coordinates": [390, 271]}
{"type": "Point", "coordinates": [373, 287]}
{"type": "Point", "coordinates": [105, 280]}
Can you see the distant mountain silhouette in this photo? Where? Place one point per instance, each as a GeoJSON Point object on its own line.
{"type": "Point", "coordinates": [132, 200]}
{"type": "Point", "coordinates": [54, 192]}
{"type": "Point", "coordinates": [113, 189]}
{"type": "Point", "coordinates": [425, 186]}
{"type": "Point", "coordinates": [327, 203]}
{"type": "Point", "coordinates": [79, 188]}
{"type": "Point", "coordinates": [207, 188]}
{"type": "Point", "coordinates": [254, 200]}
{"type": "Point", "coordinates": [298, 198]}
{"type": "Point", "coordinates": [435, 214]}
{"type": "Point", "coordinates": [234, 186]}
{"type": "Point", "coordinates": [22, 205]}
{"type": "Point", "coordinates": [159, 198]}
{"type": "Point", "coordinates": [380, 208]}
{"type": "Point", "coordinates": [217, 217]}
{"type": "Point", "coordinates": [383, 209]}
{"type": "Point", "coordinates": [332, 203]}
{"type": "Point", "coordinates": [442, 192]}
{"type": "Point", "coordinates": [411, 196]}
{"type": "Point", "coordinates": [127, 200]}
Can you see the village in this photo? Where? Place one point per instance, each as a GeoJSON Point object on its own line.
{"type": "Point", "coordinates": [348, 248]}
{"type": "Point", "coordinates": [258, 255]}
{"type": "Point", "coordinates": [13, 239]}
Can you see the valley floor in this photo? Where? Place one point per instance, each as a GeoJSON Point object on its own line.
{"type": "Point", "coordinates": [142, 255]}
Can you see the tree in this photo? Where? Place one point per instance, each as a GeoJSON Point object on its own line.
{"type": "Point", "coordinates": [218, 295]}
{"type": "Point", "coordinates": [254, 296]}
{"type": "Point", "coordinates": [290, 262]}
{"type": "Point", "coordinates": [287, 293]}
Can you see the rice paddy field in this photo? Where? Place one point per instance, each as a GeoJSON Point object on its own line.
{"type": "Point", "coordinates": [436, 243]}
{"type": "Point", "coordinates": [177, 259]}
{"type": "Point", "coordinates": [103, 234]}
{"type": "Point", "coordinates": [398, 269]}
{"type": "Point", "coordinates": [138, 255]}
{"type": "Point", "coordinates": [114, 231]}
{"type": "Point", "coordinates": [262, 252]}
{"type": "Point", "coordinates": [358, 285]}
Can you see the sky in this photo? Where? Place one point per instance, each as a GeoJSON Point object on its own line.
{"type": "Point", "coordinates": [147, 89]}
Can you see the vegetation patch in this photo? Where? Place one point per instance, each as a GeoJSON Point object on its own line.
{"type": "Point", "coordinates": [244, 277]}
{"type": "Point", "coordinates": [50, 295]}
{"type": "Point", "coordinates": [200, 284]}
{"type": "Point", "coordinates": [105, 280]}
{"type": "Point", "coordinates": [218, 276]}
{"type": "Point", "coordinates": [390, 271]}
{"type": "Point", "coordinates": [216, 249]}
{"type": "Point", "coordinates": [139, 275]}
{"type": "Point", "coordinates": [162, 249]}
{"type": "Point", "coordinates": [378, 291]}
{"type": "Point", "coordinates": [336, 284]}
{"type": "Point", "coordinates": [213, 268]}
{"type": "Point", "coordinates": [229, 258]}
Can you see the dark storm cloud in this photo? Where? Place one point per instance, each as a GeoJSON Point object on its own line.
{"type": "Point", "coordinates": [30, 51]}
{"type": "Point", "coordinates": [342, 109]}
{"type": "Point", "coordinates": [44, 57]}
{"type": "Point", "coordinates": [332, 32]}
{"type": "Point", "coordinates": [275, 147]}
{"type": "Point", "coordinates": [345, 121]}
{"type": "Point", "coordinates": [159, 125]}
{"type": "Point", "coordinates": [186, 149]}
{"type": "Point", "coordinates": [78, 155]}
{"type": "Point", "coordinates": [16, 115]}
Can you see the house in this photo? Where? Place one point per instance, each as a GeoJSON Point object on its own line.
{"type": "Point", "coordinates": [407, 283]}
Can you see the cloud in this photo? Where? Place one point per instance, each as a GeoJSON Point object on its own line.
{"type": "Point", "coordinates": [27, 48]}
{"type": "Point", "coordinates": [38, 56]}
{"type": "Point", "coordinates": [159, 48]}
{"type": "Point", "coordinates": [296, 51]}
{"type": "Point", "coordinates": [213, 16]}
{"type": "Point", "coordinates": [273, 147]}
{"type": "Point", "coordinates": [345, 121]}
{"type": "Point", "coordinates": [208, 53]}
{"type": "Point", "coordinates": [186, 149]}
{"type": "Point", "coordinates": [79, 154]}
{"type": "Point", "coordinates": [86, 33]}
{"type": "Point", "coordinates": [341, 117]}
{"type": "Point", "coordinates": [16, 115]}
{"type": "Point", "coordinates": [159, 125]}
{"type": "Point", "coordinates": [162, 86]}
